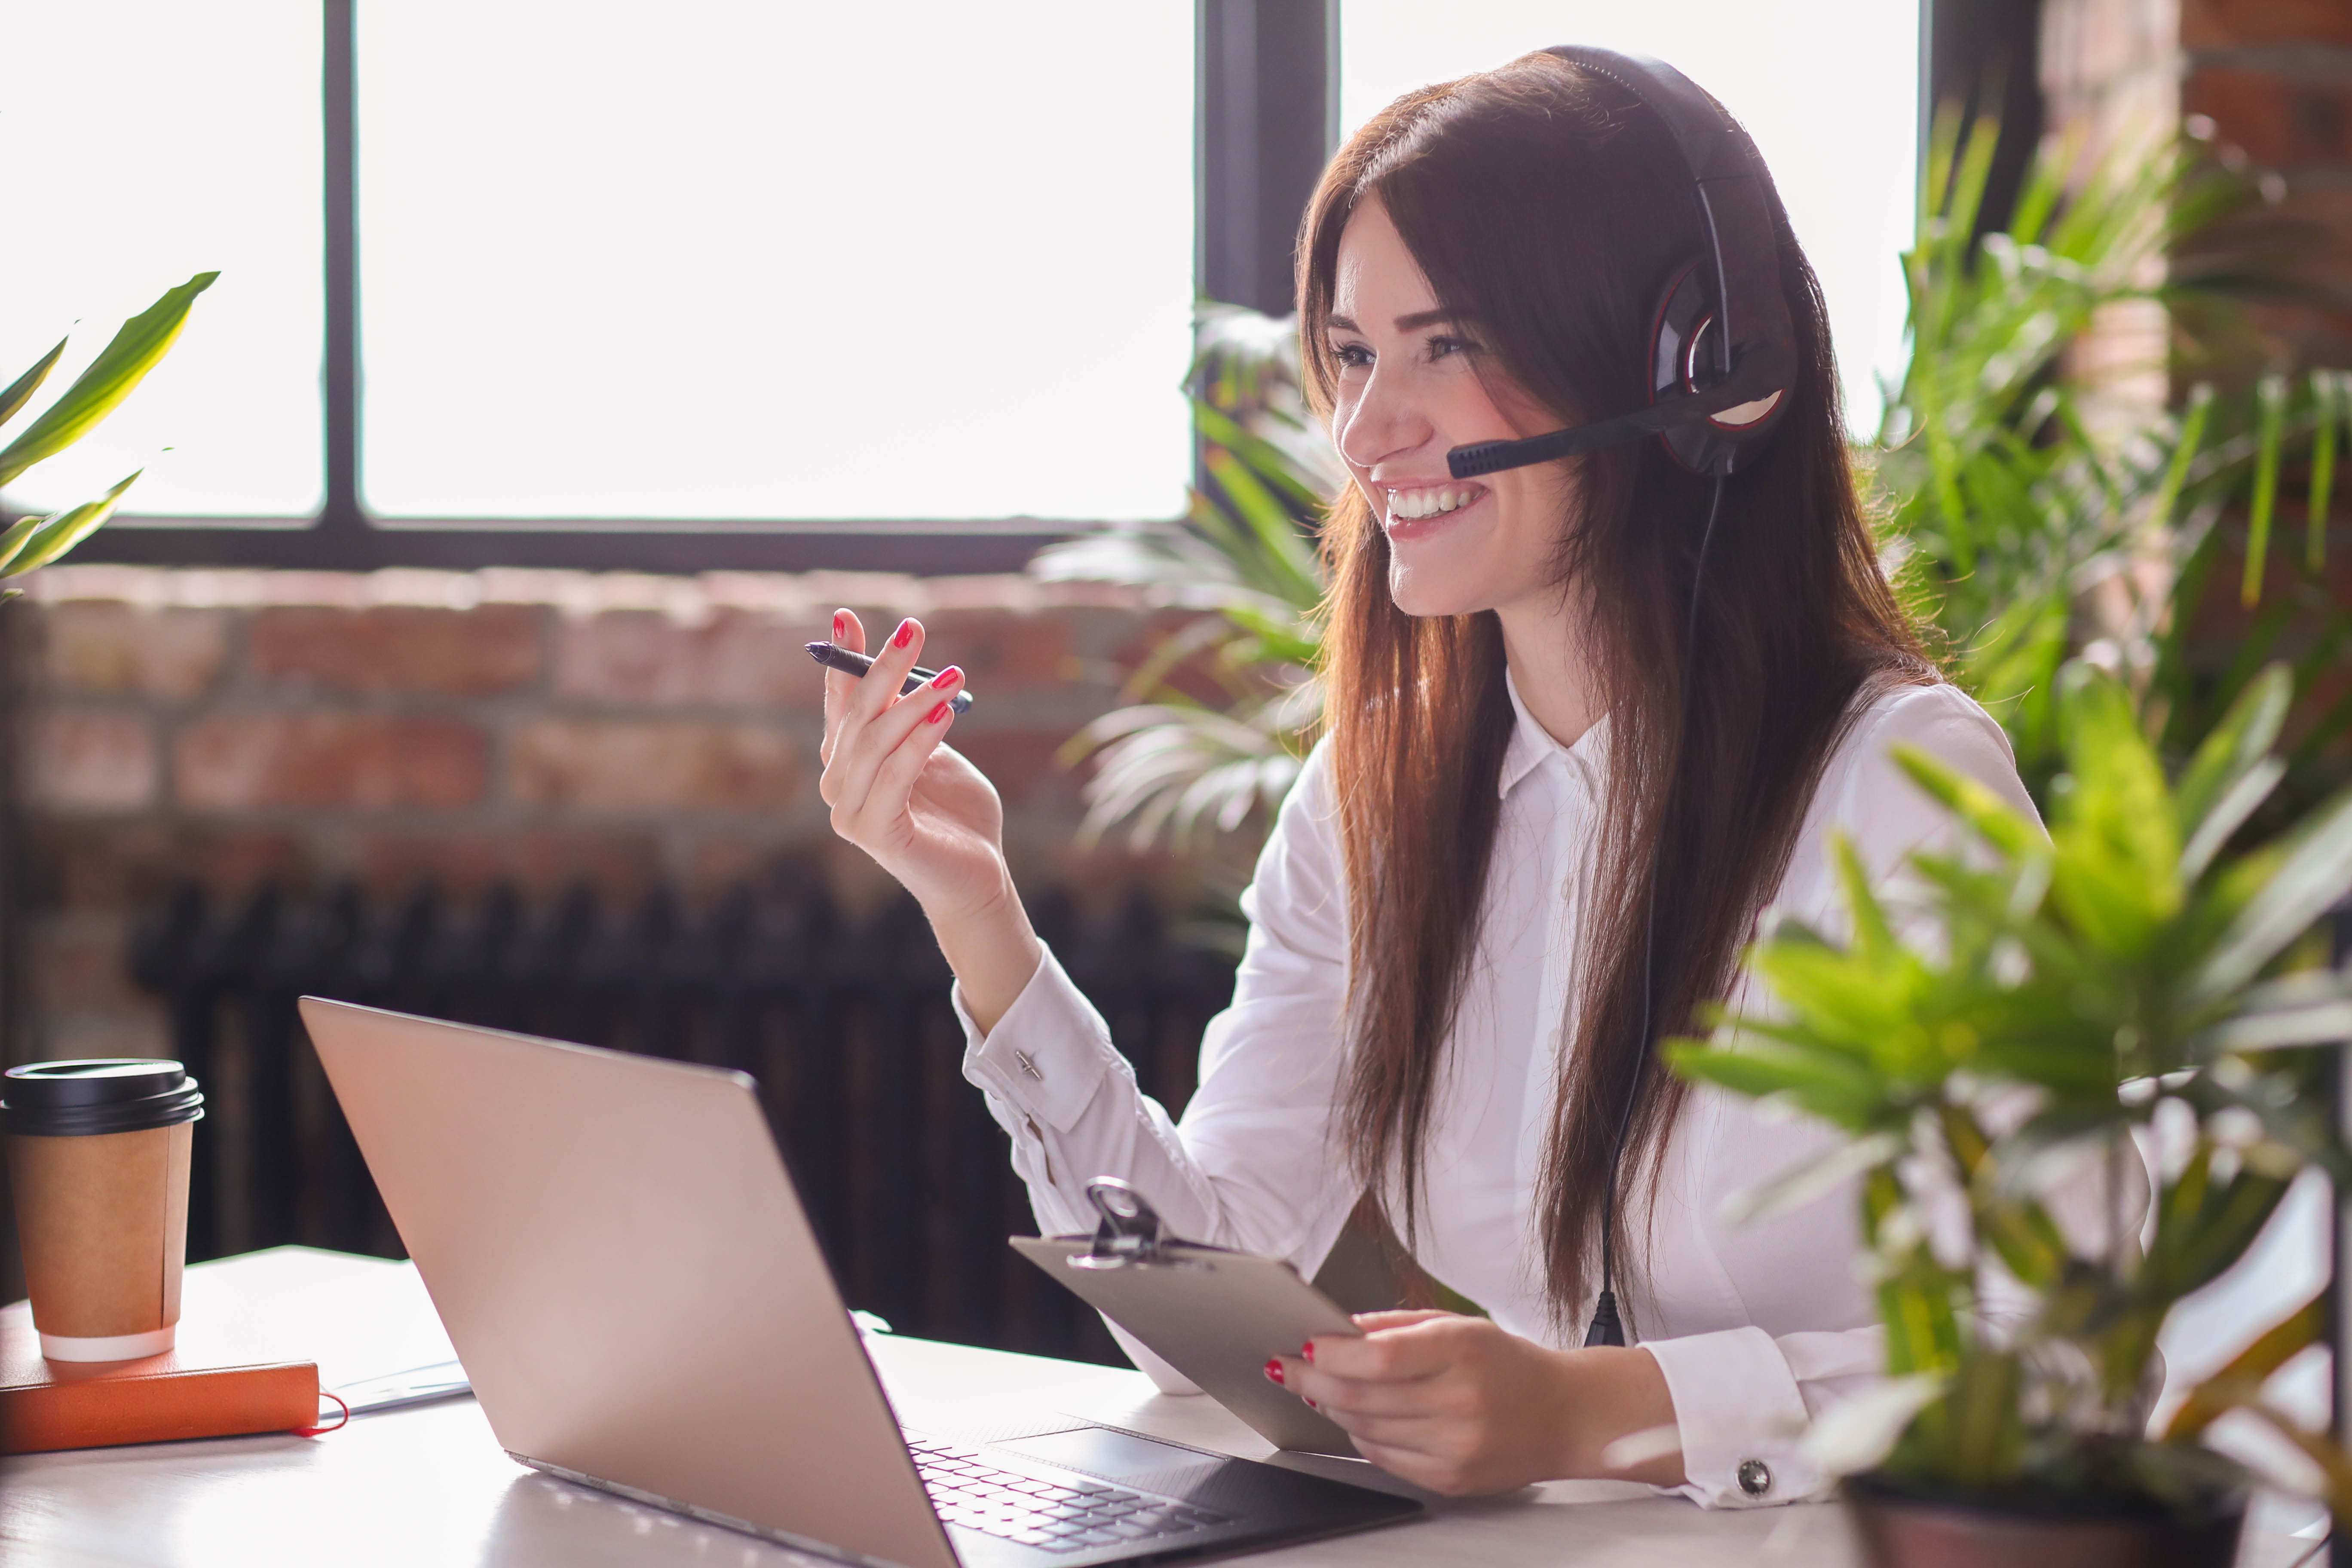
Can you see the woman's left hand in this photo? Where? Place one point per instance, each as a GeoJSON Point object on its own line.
{"type": "Point", "coordinates": [1455, 1405]}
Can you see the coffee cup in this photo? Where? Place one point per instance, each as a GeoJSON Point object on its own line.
{"type": "Point", "coordinates": [98, 1156]}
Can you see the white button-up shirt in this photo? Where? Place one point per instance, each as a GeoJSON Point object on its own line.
{"type": "Point", "coordinates": [1757, 1326]}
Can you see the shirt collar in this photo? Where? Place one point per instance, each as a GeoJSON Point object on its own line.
{"type": "Point", "coordinates": [1532, 745]}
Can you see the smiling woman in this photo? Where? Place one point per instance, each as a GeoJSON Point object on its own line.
{"type": "Point", "coordinates": [1588, 718]}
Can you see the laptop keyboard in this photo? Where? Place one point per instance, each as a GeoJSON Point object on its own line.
{"type": "Point", "coordinates": [1082, 1515]}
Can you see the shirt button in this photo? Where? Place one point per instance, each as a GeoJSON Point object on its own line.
{"type": "Point", "coordinates": [1755, 1477]}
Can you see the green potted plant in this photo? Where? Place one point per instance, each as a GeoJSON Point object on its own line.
{"type": "Point", "coordinates": [1219, 717]}
{"type": "Point", "coordinates": [136, 349]}
{"type": "Point", "coordinates": [2126, 974]}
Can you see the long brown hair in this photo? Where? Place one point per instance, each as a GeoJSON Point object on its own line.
{"type": "Point", "coordinates": [1548, 207]}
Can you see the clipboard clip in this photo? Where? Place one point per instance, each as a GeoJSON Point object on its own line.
{"type": "Point", "coordinates": [1130, 1235]}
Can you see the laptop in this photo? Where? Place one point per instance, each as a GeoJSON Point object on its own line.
{"type": "Point", "coordinates": [628, 1274]}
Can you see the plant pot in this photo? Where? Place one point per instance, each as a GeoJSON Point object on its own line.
{"type": "Point", "coordinates": [1904, 1524]}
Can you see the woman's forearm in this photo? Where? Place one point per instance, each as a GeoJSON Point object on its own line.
{"type": "Point", "coordinates": [993, 952]}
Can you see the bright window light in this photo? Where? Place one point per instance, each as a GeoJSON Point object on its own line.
{"type": "Point", "coordinates": [1829, 91]}
{"type": "Point", "coordinates": [738, 260]}
{"type": "Point", "coordinates": [146, 140]}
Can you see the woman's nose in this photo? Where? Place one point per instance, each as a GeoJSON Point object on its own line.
{"type": "Point", "coordinates": [1384, 423]}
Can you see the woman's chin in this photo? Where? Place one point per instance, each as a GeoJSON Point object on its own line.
{"type": "Point", "coordinates": [1424, 594]}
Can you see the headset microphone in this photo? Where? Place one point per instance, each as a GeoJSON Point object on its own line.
{"type": "Point", "coordinates": [1723, 357]}
{"type": "Point", "coordinates": [1722, 352]}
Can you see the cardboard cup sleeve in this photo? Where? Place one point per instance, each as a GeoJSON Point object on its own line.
{"type": "Point", "coordinates": [98, 1156]}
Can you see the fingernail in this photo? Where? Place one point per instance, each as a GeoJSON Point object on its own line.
{"type": "Point", "coordinates": [947, 676]}
{"type": "Point", "coordinates": [1273, 1371]}
{"type": "Point", "coordinates": [906, 633]}
{"type": "Point", "coordinates": [840, 625]}
{"type": "Point", "coordinates": [1307, 1351]}
{"type": "Point", "coordinates": [936, 714]}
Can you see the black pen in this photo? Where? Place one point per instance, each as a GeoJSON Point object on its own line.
{"type": "Point", "coordinates": [833, 656]}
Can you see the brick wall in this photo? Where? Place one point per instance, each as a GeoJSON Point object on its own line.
{"type": "Point", "coordinates": [2110, 76]}
{"type": "Point", "coordinates": [541, 728]}
{"type": "Point", "coordinates": [2269, 83]}
{"type": "Point", "coordinates": [2275, 77]}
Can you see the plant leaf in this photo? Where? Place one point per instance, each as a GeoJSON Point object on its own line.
{"type": "Point", "coordinates": [1812, 1179]}
{"type": "Point", "coordinates": [1998, 822]}
{"type": "Point", "coordinates": [1856, 1433]}
{"type": "Point", "coordinates": [20, 390]}
{"type": "Point", "coordinates": [2313, 869]}
{"type": "Point", "coordinates": [2271, 398]}
{"type": "Point", "coordinates": [124, 362]}
{"type": "Point", "coordinates": [2184, 452]}
{"type": "Point", "coordinates": [12, 542]}
{"type": "Point", "coordinates": [2241, 1382]}
{"type": "Point", "coordinates": [2325, 386]}
{"type": "Point", "coordinates": [62, 531]}
{"type": "Point", "coordinates": [2237, 746]}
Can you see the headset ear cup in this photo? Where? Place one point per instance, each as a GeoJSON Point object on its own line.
{"type": "Point", "coordinates": [1683, 345]}
{"type": "Point", "coordinates": [1684, 312]}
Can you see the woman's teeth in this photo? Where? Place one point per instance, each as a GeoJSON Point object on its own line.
{"type": "Point", "coordinates": [1430, 503]}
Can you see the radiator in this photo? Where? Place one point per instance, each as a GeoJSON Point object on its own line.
{"type": "Point", "coordinates": [844, 1023]}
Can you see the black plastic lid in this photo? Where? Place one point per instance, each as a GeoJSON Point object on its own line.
{"type": "Point", "coordinates": [112, 1094]}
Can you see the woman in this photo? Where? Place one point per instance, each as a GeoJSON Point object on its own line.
{"type": "Point", "coordinates": [1556, 796]}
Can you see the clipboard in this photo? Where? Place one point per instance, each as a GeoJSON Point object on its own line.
{"type": "Point", "coordinates": [1215, 1315]}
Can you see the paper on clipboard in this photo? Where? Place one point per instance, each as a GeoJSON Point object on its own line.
{"type": "Point", "coordinates": [1216, 1316]}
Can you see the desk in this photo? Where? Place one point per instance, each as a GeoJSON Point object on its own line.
{"type": "Point", "coordinates": [429, 1485]}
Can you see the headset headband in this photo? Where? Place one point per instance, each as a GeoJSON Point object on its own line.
{"type": "Point", "coordinates": [1754, 342]}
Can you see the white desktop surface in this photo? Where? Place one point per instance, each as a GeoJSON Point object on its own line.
{"type": "Point", "coordinates": [429, 1485]}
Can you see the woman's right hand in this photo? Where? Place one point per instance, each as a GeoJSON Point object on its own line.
{"type": "Point", "coordinates": [926, 816]}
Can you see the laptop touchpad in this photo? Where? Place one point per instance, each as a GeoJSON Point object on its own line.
{"type": "Point", "coordinates": [1113, 1455]}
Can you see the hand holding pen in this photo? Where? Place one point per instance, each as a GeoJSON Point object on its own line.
{"type": "Point", "coordinates": [896, 793]}
{"type": "Point", "coordinates": [921, 810]}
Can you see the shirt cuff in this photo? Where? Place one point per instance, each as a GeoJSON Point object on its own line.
{"type": "Point", "coordinates": [1741, 1418]}
{"type": "Point", "coordinates": [1048, 1055]}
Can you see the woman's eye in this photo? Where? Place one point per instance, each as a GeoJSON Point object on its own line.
{"type": "Point", "coordinates": [1446, 348]}
{"type": "Point", "coordinates": [1355, 356]}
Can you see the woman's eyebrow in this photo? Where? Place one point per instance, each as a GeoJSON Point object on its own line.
{"type": "Point", "coordinates": [1403, 323]}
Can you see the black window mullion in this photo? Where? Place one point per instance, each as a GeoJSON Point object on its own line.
{"type": "Point", "coordinates": [1268, 75]}
{"type": "Point", "coordinates": [339, 102]}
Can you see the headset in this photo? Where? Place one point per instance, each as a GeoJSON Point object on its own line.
{"type": "Point", "coordinates": [1722, 360]}
{"type": "Point", "coordinates": [1723, 353]}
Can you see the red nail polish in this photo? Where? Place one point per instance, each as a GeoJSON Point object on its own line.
{"type": "Point", "coordinates": [906, 633]}
{"type": "Point", "coordinates": [840, 626]}
{"type": "Point", "coordinates": [936, 714]}
{"type": "Point", "coordinates": [1273, 1370]}
{"type": "Point", "coordinates": [1307, 1351]}
{"type": "Point", "coordinates": [947, 676]}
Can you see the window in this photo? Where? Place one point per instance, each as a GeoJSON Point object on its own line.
{"type": "Point", "coordinates": [740, 260]}
{"type": "Point", "coordinates": [146, 143]}
{"type": "Point", "coordinates": [726, 262]}
{"type": "Point", "coordinates": [1829, 91]}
